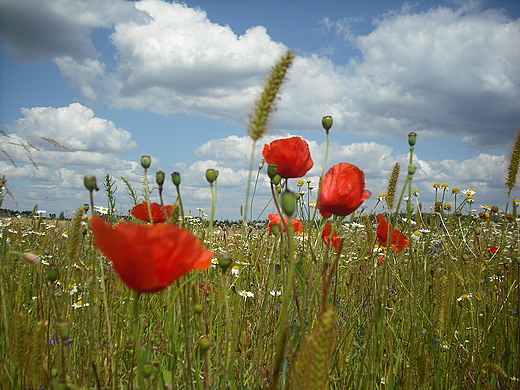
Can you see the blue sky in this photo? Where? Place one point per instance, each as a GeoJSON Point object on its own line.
{"type": "Point", "coordinates": [120, 79]}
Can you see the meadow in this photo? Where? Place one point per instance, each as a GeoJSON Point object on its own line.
{"type": "Point", "coordinates": [325, 294]}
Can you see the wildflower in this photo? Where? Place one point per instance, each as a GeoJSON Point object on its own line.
{"type": "Point", "coordinates": [445, 186]}
{"type": "Point", "coordinates": [275, 293]}
{"type": "Point", "coordinates": [292, 155]}
{"type": "Point", "coordinates": [436, 185]}
{"type": "Point", "coordinates": [150, 258]}
{"type": "Point", "coordinates": [470, 199]}
{"type": "Point", "coordinates": [494, 250]}
{"type": "Point", "coordinates": [205, 287]}
{"type": "Point", "coordinates": [445, 344]}
{"type": "Point", "coordinates": [415, 193]}
{"type": "Point", "coordinates": [455, 190]}
{"type": "Point", "coordinates": [384, 230]}
{"type": "Point", "coordinates": [342, 191]}
{"type": "Point", "coordinates": [141, 212]}
{"type": "Point", "coordinates": [79, 304]}
{"type": "Point", "coordinates": [463, 297]}
{"type": "Point", "coordinates": [235, 270]}
{"type": "Point", "coordinates": [246, 294]}
{"type": "Point", "coordinates": [469, 191]}
{"type": "Point", "coordinates": [101, 210]}
{"type": "Point", "coordinates": [382, 197]}
{"type": "Point", "coordinates": [276, 220]}
{"type": "Point", "coordinates": [335, 240]}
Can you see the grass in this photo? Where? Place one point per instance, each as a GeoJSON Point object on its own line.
{"type": "Point", "coordinates": [442, 314]}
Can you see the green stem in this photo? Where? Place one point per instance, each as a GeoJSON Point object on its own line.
{"type": "Point", "coordinates": [137, 341]}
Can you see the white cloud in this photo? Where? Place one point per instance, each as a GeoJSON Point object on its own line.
{"type": "Point", "coordinates": [74, 126]}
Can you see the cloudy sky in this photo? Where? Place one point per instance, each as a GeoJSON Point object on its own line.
{"type": "Point", "coordinates": [114, 80]}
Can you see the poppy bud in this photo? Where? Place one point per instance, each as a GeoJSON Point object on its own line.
{"type": "Point", "coordinates": [63, 330]}
{"type": "Point", "coordinates": [159, 178]}
{"type": "Point", "coordinates": [412, 138]}
{"type": "Point", "coordinates": [204, 343]}
{"type": "Point", "coordinates": [90, 183]}
{"type": "Point", "coordinates": [52, 273]}
{"type": "Point", "coordinates": [197, 308]}
{"type": "Point", "coordinates": [146, 161]}
{"type": "Point", "coordinates": [211, 175]}
{"type": "Point", "coordinates": [275, 229]}
{"type": "Point", "coordinates": [224, 261]}
{"type": "Point", "coordinates": [412, 168]}
{"type": "Point", "coordinates": [411, 207]}
{"type": "Point", "coordinates": [176, 178]}
{"type": "Point", "coordinates": [326, 122]}
{"type": "Point", "coordinates": [288, 203]}
{"type": "Point", "coordinates": [272, 170]}
{"type": "Point", "coordinates": [262, 163]}
{"type": "Point", "coordinates": [147, 370]}
{"type": "Point", "coordinates": [276, 179]}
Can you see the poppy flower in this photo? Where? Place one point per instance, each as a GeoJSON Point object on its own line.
{"type": "Point", "coordinates": [494, 249]}
{"type": "Point", "coordinates": [385, 230]}
{"type": "Point", "coordinates": [292, 155]}
{"type": "Point", "coordinates": [149, 258]}
{"type": "Point", "coordinates": [336, 241]}
{"type": "Point", "coordinates": [140, 211]}
{"type": "Point", "coordinates": [277, 220]}
{"type": "Point", "coordinates": [342, 190]}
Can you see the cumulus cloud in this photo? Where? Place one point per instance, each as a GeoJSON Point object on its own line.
{"type": "Point", "coordinates": [74, 126]}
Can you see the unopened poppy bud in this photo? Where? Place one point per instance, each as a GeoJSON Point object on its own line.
{"type": "Point", "coordinates": [412, 138]}
{"type": "Point", "coordinates": [326, 122]}
{"type": "Point", "coordinates": [63, 330]}
{"type": "Point", "coordinates": [176, 178]}
{"type": "Point", "coordinates": [224, 261]}
{"type": "Point", "coordinates": [52, 273]}
{"type": "Point", "coordinates": [276, 179]}
{"type": "Point", "coordinates": [146, 161]}
{"type": "Point", "coordinates": [31, 258]}
{"type": "Point", "coordinates": [90, 183]}
{"type": "Point", "coordinates": [86, 207]}
{"type": "Point", "coordinates": [272, 170]}
{"type": "Point", "coordinates": [197, 308]}
{"type": "Point", "coordinates": [147, 370]}
{"type": "Point", "coordinates": [262, 163]}
{"type": "Point", "coordinates": [204, 343]}
{"type": "Point", "coordinates": [276, 230]}
{"type": "Point", "coordinates": [211, 175]}
{"type": "Point", "coordinates": [411, 207]}
{"type": "Point", "coordinates": [159, 178]}
{"type": "Point", "coordinates": [288, 202]}
{"type": "Point", "coordinates": [412, 168]}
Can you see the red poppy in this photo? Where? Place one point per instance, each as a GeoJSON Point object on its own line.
{"type": "Point", "coordinates": [140, 211]}
{"type": "Point", "coordinates": [494, 249]}
{"type": "Point", "coordinates": [292, 155]}
{"type": "Point", "coordinates": [150, 258]}
{"type": "Point", "coordinates": [205, 287]}
{"type": "Point", "coordinates": [336, 241]}
{"type": "Point", "coordinates": [342, 190]}
{"type": "Point", "coordinates": [277, 220]}
{"type": "Point", "coordinates": [385, 230]}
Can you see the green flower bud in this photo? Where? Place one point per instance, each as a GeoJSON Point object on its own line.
{"type": "Point", "coordinates": [52, 273]}
{"type": "Point", "coordinates": [276, 179]}
{"type": "Point", "coordinates": [411, 207]}
{"type": "Point", "coordinates": [204, 343]}
{"type": "Point", "coordinates": [288, 202]}
{"type": "Point", "coordinates": [412, 138]}
{"type": "Point", "coordinates": [276, 230]}
{"type": "Point", "coordinates": [326, 122]}
{"type": "Point", "coordinates": [159, 178]}
{"type": "Point", "coordinates": [146, 161]}
{"type": "Point", "coordinates": [224, 261]}
{"type": "Point", "coordinates": [412, 168]}
{"type": "Point", "coordinates": [63, 330]}
{"type": "Point", "coordinates": [90, 183]}
{"type": "Point", "coordinates": [147, 370]}
{"type": "Point", "coordinates": [211, 175]}
{"type": "Point", "coordinates": [272, 170]}
{"type": "Point", "coordinates": [176, 178]}
{"type": "Point", "coordinates": [197, 308]}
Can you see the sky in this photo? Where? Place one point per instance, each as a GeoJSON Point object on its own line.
{"type": "Point", "coordinates": [115, 80]}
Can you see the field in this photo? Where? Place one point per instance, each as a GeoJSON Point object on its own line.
{"type": "Point", "coordinates": [405, 299]}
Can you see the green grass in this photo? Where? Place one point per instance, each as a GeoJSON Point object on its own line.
{"type": "Point", "coordinates": [404, 324]}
